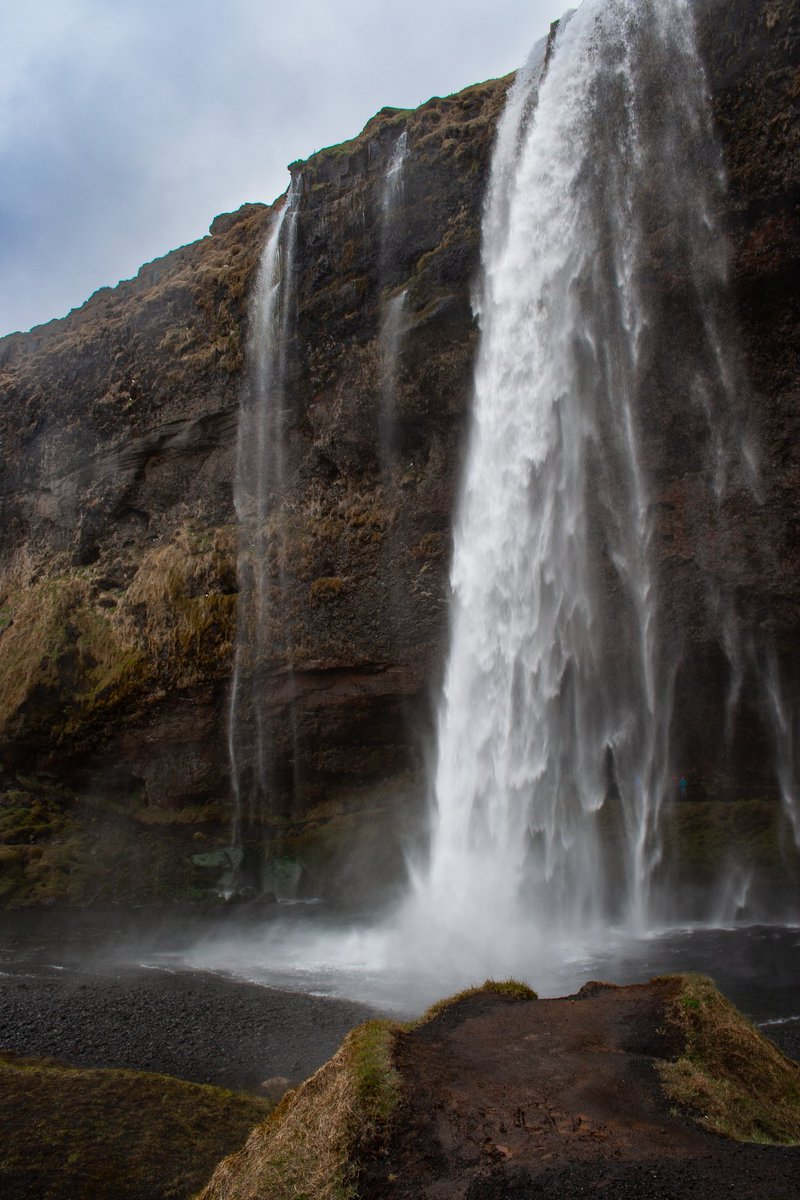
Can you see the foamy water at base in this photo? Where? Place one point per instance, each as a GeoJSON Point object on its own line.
{"type": "Point", "coordinates": [758, 967]}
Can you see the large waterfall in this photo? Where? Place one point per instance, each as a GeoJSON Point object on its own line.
{"type": "Point", "coordinates": [554, 736]}
{"type": "Point", "coordinates": [606, 337]}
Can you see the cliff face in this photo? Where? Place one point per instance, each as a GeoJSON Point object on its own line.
{"type": "Point", "coordinates": [118, 562]}
{"type": "Point", "coordinates": [119, 547]}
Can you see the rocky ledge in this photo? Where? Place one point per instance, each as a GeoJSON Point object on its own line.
{"type": "Point", "coordinates": [651, 1090]}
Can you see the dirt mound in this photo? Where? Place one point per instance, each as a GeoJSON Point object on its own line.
{"type": "Point", "coordinates": [507, 1100]}
{"type": "Point", "coordinates": [497, 1095]}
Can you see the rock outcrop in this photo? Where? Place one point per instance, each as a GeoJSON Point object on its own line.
{"type": "Point", "coordinates": [497, 1095]}
{"type": "Point", "coordinates": [118, 580]}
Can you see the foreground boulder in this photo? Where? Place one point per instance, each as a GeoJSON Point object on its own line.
{"type": "Point", "coordinates": [497, 1095]}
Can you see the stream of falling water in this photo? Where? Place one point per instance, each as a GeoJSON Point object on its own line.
{"type": "Point", "coordinates": [554, 752]}
{"type": "Point", "coordinates": [394, 306]}
{"type": "Point", "coordinates": [554, 730]}
{"type": "Point", "coordinates": [260, 470]}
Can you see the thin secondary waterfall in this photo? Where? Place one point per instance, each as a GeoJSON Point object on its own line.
{"type": "Point", "coordinates": [393, 180]}
{"type": "Point", "coordinates": [554, 732]}
{"type": "Point", "coordinates": [260, 476]}
{"type": "Point", "coordinates": [392, 329]}
{"type": "Point", "coordinates": [394, 306]}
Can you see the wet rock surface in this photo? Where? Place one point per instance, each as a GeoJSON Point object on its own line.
{"type": "Point", "coordinates": [509, 1100]}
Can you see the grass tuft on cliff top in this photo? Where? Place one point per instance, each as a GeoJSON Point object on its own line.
{"type": "Point", "coordinates": [308, 1147]}
{"type": "Point", "coordinates": [729, 1077]}
{"type": "Point", "coordinates": [511, 989]}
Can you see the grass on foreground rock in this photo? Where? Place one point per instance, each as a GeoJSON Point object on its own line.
{"type": "Point", "coordinates": [511, 989]}
{"type": "Point", "coordinates": [729, 1077]}
{"type": "Point", "coordinates": [306, 1149]}
{"type": "Point", "coordinates": [112, 1135]}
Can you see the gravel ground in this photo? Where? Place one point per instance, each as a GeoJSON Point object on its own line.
{"type": "Point", "coordinates": [196, 1027]}
{"type": "Point", "coordinates": [785, 1035]}
{"type": "Point", "coordinates": [63, 995]}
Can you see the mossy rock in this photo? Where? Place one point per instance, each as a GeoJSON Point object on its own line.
{"type": "Point", "coordinates": [62, 660]}
{"type": "Point", "coordinates": [87, 849]}
{"type": "Point", "coordinates": [509, 990]}
{"type": "Point", "coordinates": [309, 1147]}
{"type": "Point", "coordinates": [313, 1145]}
{"type": "Point", "coordinates": [352, 847]}
{"type": "Point", "coordinates": [727, 1075]}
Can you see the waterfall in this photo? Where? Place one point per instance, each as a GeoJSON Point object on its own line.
{"type": "Point", "coordinates": [392, 228]}
{"type": "Point", "coordinates": [393, 181]}
{"type": "Point", "coordinates": [391, 335]}
{"type": "Point", "coordinates": [595, 544]}
{"type": "Point", "coordinates": [554, 734]}
{"type": "Point", "coordinates": [259, 485]}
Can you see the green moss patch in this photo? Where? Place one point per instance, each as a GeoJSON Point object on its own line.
{"type": "Point", "coordinates": [124, 1135]}
{"type": "Point", "coordinates": [308, 1148]}
{"type": "Point", "coordinates": [59, 847]}
{"type": "Point", "coordinates": [699, 835]}
{"type": "Point", "coordinates": [729, 1077]}
{"type": "Point", "coordinates": [61, 657]}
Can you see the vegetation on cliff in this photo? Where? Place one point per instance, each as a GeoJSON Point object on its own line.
{"type": "Point", "coordinates": [728, 1076]}
{"type": "Point", "coordinates": [310, 1145]}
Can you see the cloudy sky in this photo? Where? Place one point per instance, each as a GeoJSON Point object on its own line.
{"type": "Point", "coordinates": [127, 125]}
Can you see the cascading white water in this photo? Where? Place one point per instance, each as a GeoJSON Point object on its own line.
{"type": "Point", "coordinates": [393, 181]}
{"type": "Point", "coordinates": [260, 469]}
{"type": "Point", "coordinates": [392, 227]}
{"type": "Point", "coordinates": [391, 335]}
{"type": "Point", "coordinates": [554, 731]}
{"type": "Point", "coordinates": [603, 299]}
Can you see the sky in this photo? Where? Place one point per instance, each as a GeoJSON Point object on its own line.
{"type": "Point", "coordinates": [127, 125]}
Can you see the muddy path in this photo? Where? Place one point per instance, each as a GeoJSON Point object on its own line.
{"type": "Point", "coordinates": [506, 1101]}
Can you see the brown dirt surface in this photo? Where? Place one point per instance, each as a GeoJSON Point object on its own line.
{"type": "Point", "coordinates": [510, 1100]}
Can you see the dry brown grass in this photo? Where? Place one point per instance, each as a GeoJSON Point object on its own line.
{"type": "Point", "coordinates": [730, 1077]}
{"type": "Point", "coordinates": [56, 645]}
{"type": "Point", "coordinates": [181, 605]}
{"type": "Point", "coordinates": [78, 656]}
{"type": "Point", "coordinates": [326, 588]}
{"type": "Point", "coordinates": [307, 1149]}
